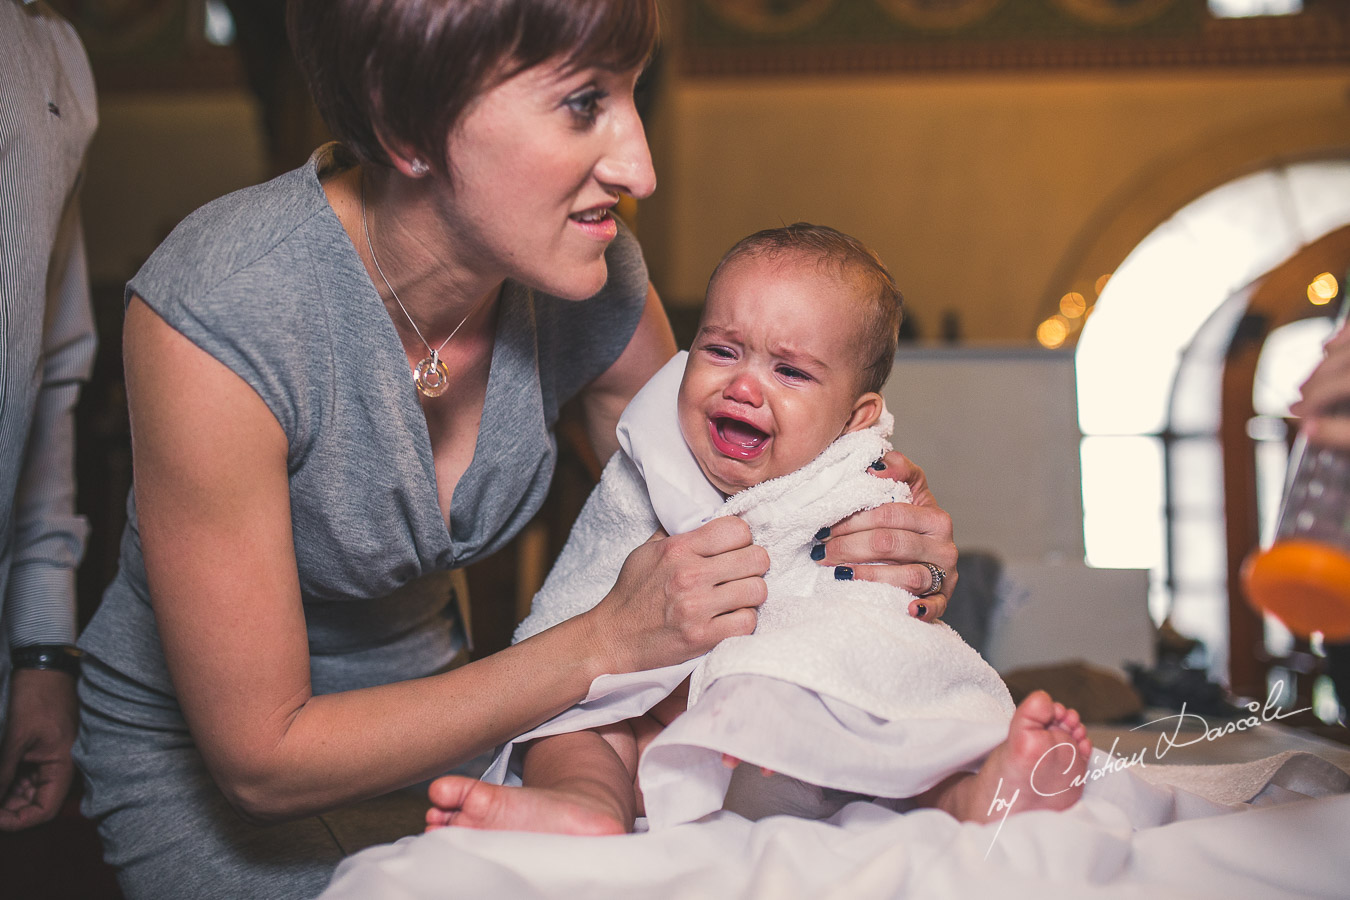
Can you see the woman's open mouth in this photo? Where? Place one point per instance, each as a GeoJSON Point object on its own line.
{"type": "Point", "coordinates": [737, 439]}
{"type": "Point", "coordinates": [598, 222]}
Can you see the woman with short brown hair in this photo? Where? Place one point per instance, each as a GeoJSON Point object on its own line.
{"type": "Point", "coordinates": [343, 385]}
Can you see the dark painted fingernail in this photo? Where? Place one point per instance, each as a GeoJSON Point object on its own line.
{"type": "Point", "coordinates": [879, 465]}
{"type": "Point", "coordinates": [818, 552]}
{"type": "Point", "coordinates": [843, 573]}
{"type": "Point", "coordinates": [923, 610]}
{"type": "Point", "coordinates": [823, 533]}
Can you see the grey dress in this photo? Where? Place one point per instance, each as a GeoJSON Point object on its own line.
{"type": "Point", "coordinates": [267, 281]}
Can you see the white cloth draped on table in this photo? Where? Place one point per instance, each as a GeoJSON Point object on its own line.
{"type": "Point", "coordinates": [1127, 839]}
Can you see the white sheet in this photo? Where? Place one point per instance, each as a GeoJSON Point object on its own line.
{"type": "Point", "coordinates": [1125, 839]}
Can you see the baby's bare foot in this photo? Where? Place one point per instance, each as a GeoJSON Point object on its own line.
{"type": "Point", "coordinates": [469, 803]}
{"type": "Point", "coordinates": [1039, 766]}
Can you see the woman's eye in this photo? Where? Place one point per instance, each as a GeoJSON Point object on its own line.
{"type": "Point", "coordinates": [585, 104]}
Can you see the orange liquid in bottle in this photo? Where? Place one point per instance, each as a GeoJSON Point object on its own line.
{"type": "Point", "coordinates": [1305, 584]}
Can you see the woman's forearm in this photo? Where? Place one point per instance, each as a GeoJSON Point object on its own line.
{"type": "Point", "coordinates": [333, 749]}
{"type": "Point", "coordinates": [674, 598]}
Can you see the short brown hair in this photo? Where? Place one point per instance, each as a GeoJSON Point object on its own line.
{"type": "Point", "coordinates": [406, 70]}
{"type": "Point", "coordinates": [879, 331]}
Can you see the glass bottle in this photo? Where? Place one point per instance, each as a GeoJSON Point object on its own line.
{"type": "Point", "coordinates": [1303, 577]}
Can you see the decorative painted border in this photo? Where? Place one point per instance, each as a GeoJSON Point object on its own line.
{"type": "Point", "coordinates": [1318, 36]}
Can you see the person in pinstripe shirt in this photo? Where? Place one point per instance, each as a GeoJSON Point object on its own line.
{"type": "Point", "coordinates": [47, 342]}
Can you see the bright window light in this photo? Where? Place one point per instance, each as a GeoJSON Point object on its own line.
{"type": "Point", "coordinates": [1178, 276]}
{"type": "Point", "coordinates": [1287, 359]}
{"type": "Point", "coordinates": [219, 24]}
{"type": "Point", "coordinates": [1241, 9]}
{"type": "Point", "coordinates": [1123, 502]}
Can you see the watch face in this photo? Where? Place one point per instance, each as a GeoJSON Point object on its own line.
{"type": "Point", "coordinates": [770, 16]}
{"type": "Point", "coordinates": [1115, 12]}
{"type": "Point", "coordinates": [938, 13]}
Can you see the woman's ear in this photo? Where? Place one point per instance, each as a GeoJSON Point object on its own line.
{"type": "Point", "coordinates": [406, 161]}
{"type": "Point", "coordinates": [410, 165]}
{"type": "Point", "coordinates": [866, 410]}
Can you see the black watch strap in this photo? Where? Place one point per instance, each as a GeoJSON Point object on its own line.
{"type": "Point", "coordinates": [63, 657]}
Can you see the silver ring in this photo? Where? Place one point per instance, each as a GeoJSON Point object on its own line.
{"type": "Point", "coordinates": [938, 575]}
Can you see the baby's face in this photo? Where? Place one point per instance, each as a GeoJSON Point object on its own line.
{"type": "Point", "coordinates": [772, 377]}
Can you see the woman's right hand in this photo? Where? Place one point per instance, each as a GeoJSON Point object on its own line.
{"type": "Point", "coordinates": [677, 597]}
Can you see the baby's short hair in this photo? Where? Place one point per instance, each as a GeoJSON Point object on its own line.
{"type": "Point", "coordinates": [883, 306]}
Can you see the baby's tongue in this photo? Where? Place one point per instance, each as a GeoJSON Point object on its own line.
{"type": "Point", "coordinates": [741, 433]}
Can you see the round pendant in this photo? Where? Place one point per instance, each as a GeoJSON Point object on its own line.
{"type": "Point", "coordinates": [432, 377]}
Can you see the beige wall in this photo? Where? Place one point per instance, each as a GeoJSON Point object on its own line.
{"type": "Point", "coordinates": [988, 194]}
{"type": "Point", "coordinates": [156, 158]}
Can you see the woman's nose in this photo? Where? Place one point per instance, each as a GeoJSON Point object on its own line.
{"type": "Point", "coordinates": [627, 166]}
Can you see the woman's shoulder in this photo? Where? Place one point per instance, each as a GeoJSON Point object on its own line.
{"type": "Point", "coordinates": [252, 279]}
{"type": "Point", "coordinates": [275, 226]}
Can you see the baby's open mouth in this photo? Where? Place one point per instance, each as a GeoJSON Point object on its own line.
{"type": "Point", "coordinates": [738, 433]}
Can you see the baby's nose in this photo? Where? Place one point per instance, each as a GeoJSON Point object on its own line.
{"type": "Point", "coordinates": [745, 388]}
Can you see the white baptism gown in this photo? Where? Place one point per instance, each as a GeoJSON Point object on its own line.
{"type": "Point", "coordinates": [839, 690]}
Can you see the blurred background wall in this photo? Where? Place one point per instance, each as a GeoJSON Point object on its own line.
{"type": "Point", "coordinates": [1005, 157]}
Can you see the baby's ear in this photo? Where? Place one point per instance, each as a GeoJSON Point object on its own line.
{"type": "Point", "coordinates": [866, 410]}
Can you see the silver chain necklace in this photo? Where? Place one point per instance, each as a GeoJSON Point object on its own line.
{"type": "Point", "coordinates": [431, 376]}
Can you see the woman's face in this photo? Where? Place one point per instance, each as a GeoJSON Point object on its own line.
{"type": "Point", "coordinates": [537, 165]}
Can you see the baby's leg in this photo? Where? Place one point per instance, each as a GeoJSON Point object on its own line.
{"type": "Point", "coordinates": [580, 783]}
{"type": "Point", "coordinates": [1035, 768]}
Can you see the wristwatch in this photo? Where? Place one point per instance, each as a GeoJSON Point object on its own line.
{"type": "Point", "coordinates": [63, 657]}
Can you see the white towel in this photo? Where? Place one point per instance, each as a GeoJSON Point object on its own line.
{"type": "Point", "coordinates": [905, 702]}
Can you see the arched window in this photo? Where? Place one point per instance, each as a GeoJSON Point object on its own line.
{"type": "Point", "coordinates": [1149, 361]}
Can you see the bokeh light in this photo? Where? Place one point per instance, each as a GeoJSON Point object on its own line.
{"type": "Point", "coordinates": [1052, 332]}
{"type": "Point", "coordinates": [1072, 305]}
{"type": "Point", "coordinates": [1323, 289]}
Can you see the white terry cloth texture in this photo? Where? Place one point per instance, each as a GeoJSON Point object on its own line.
{"type": "Point", "coordinates": [1125, 839]}
{"type": "Point", "coordinates": [838, 687]}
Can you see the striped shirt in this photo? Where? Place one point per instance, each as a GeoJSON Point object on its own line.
{"type": "Point", "coordinates": [47, 341]}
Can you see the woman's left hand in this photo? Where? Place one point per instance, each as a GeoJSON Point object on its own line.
{"type": "Point", "coordinates": [892, 543]}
